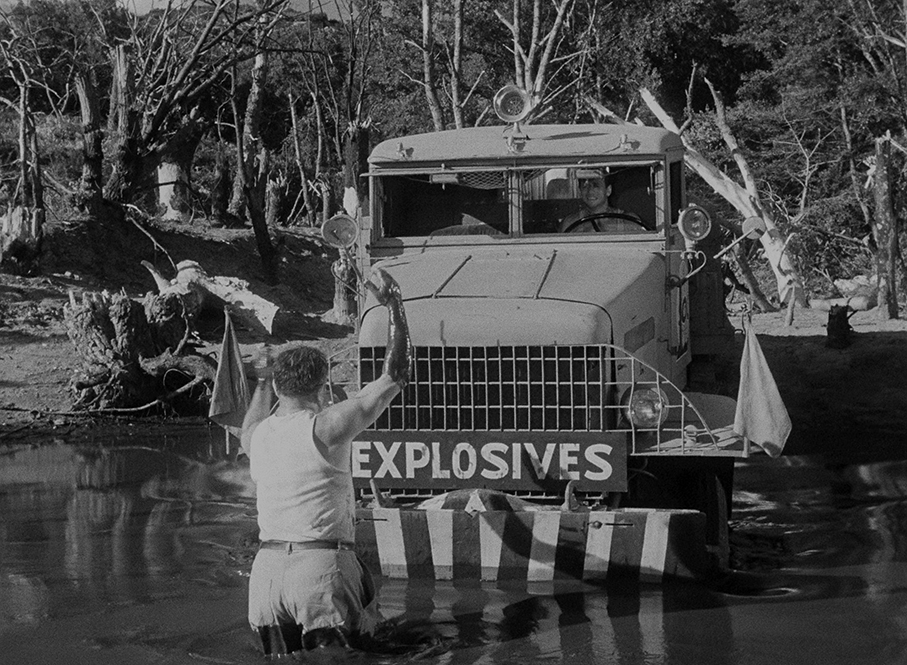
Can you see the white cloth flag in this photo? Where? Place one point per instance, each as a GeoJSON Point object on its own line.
{"type": "Point", "coordinates": [761, 415]}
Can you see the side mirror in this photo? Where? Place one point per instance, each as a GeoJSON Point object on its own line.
{"type": "Point", "coordinates": [340, 231]}
{"type": "Point", "coordinates": [753, 228]}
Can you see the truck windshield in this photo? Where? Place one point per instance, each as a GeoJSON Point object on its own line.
{"type": "Point", "coordinates": [576, 199]}
{"type": "Point", "coordinates": [589, 200]}
{"type": "Point", "coordinates": [436, 204]}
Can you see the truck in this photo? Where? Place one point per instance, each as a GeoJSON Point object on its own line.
{"type": "Point", "coordinates": [548, 431]}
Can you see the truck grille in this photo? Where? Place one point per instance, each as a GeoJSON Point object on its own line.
{"type": "Point", "coordinates": [464, 388]}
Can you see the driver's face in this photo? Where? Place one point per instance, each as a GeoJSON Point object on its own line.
{"type": "Point", "coordinates": [594, 192]}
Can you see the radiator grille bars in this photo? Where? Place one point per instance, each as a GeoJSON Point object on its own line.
{"type": "Point", "coordinates": [491, 388]}
{"type": "Point", "coordinates": [532, 389]}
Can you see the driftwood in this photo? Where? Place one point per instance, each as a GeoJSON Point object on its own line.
{"type": "Point", "coordinates": [197, 289]}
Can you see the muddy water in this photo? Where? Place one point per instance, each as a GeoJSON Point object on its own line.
{"type": "Point", "coordinates": [137, 551]}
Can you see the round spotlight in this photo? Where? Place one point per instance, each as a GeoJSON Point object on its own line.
{"type": "Point", "coordinates": [340, 231]}
{"type": "Point", "coordinates": [646, 407]}
{"type": "Point", "coordinates": [512, 104]}
{"type": "Point", "coordinates": [694, 224]}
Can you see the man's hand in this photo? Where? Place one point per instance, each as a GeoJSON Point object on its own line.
{"type": "Point", "coordinates": [263, 362]}
{"type": "Point", "coordinates": [383, 286]}
{"type": "Point", "coordinates": [262, 398]}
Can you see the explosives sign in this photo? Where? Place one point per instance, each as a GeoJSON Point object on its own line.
{"type": "Point", "coordinates": [499, 460]}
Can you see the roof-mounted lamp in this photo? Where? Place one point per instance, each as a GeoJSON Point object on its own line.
{"type": "Point", "coordinates": [512, 104]}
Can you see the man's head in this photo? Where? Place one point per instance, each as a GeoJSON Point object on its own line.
{"type": "Point", "coordinates": [301, 371]}
{"type": "Point", "coordinates": [593, 188]}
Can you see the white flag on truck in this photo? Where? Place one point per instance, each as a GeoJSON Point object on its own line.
{"type": "Point", "coordinates": [761, 415]}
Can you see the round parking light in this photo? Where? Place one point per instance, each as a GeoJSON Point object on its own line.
{"type": "Point", "coordinates": [646, 407]}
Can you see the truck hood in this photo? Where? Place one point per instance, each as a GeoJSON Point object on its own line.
{"type": "Point", "coordinates": [526, 295]}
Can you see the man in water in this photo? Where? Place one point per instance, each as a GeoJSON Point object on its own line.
{"type": "Point", "coordinates": [595, 191]}
{"type": "Point", "coordinates": [307, 586]}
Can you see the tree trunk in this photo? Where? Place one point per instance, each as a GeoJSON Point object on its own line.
{"type": "Point", "coordinates": [749, 280]}
{"type": "Point", "coordinates": [343, 275]}
{"type": "Point", "coordinates": [885, 231]}
{"type": "Point", "coordinates": [174, 169]}
{"type": "Point", "coordinates": [250, 179]}
{"type": "Point", "coordinates": [220, 191]}
{"type": "Point", "coordinates": [255, 204]}
{"type": "Point", "coordinates": [123, 178]}
{"type": "Point", "coordinates": [274, 212]}
{"type": "Point", "coordinates": [355, 162]}
{"type": "Point", "coordinates": [90, 195]}
{"type": "Point", "coordinates": [456, 64]}
{"type": "Point", "coordinates": [303, 179]}
{"type": "Point", "coordinates": [327, 199]}
{"type": "Point", "coordinates": [428, 67]}
{"type": "Point", "coordinates": [251, 135]}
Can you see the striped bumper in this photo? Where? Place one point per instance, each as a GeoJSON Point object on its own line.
{"type": "Point", "coordinates": [532, 546]}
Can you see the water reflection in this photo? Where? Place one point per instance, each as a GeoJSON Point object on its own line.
{"type": "Point", "coordinates": [157, 535]}
{"type": "Point", "coordinates": [103, 525]}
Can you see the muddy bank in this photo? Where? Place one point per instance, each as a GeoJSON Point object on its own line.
{"type": "Point", "coordinates": [848, 404]}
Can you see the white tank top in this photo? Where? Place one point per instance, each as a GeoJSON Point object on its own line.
{"type": "Point", "coordinates": [300, 495]}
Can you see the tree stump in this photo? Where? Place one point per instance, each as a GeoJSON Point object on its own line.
{"type": "Point", "coordinates": [127, 347]}
{"type": "Point", "coordinates": [21, 233]}
{"type": "Point", "coordinates": [838, 327]}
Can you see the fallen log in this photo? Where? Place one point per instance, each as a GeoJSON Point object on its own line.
{"type": "Point", "coordinates": [199, 289]}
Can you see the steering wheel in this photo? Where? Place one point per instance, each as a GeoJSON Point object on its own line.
{"type": "Point", "coordinates": [593, 218]}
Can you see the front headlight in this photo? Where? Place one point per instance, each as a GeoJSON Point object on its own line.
{"type": "Point", "coordinates": [646, 407]}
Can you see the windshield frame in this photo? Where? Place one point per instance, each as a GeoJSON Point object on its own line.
{"type": "Point", "coordinates": [514, 175]}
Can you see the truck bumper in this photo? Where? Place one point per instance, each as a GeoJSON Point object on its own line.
{"type": "Point", "coordinates": [649, 545]}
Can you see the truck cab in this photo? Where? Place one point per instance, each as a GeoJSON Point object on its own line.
{"type": "Point", "coordinates": [551, 330]}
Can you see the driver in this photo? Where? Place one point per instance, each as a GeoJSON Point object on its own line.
{"type": "Point", "coordinates": [594, 191]}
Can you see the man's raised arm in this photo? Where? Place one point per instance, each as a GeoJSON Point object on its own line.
{"type": "Point", "coordinates": [341, 422]}
{"type": "Point", "coordinates": [262, 399]}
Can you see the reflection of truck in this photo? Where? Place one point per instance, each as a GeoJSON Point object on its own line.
{"type": "Point", "coordinates": [541, 356]}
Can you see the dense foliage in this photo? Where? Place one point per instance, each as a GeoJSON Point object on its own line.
{"type": "Point", "coordinates": [810, 86]}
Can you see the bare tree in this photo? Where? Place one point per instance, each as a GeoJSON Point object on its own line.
{"type": "Point", "coordinates": [885, 51]}
{"type": "Point", "coordinates": [171, 63]}
{"type": "Point", "coordinates": [532, 62]}
{"type": "Point", "coordinates": [304, 185]}
{"type": "Point", "coordinates": [21, 231]}
{"type": "Point", "coordinates": [428, 66]}
{"type": "Point", "coordinates": [884, 230]}
{"type": "Point", "coordinates": [336, 77]}
{"type": "Point", "coordinates": [745, 198]}
{"type": "Point", "coordinates": [437, 91]}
